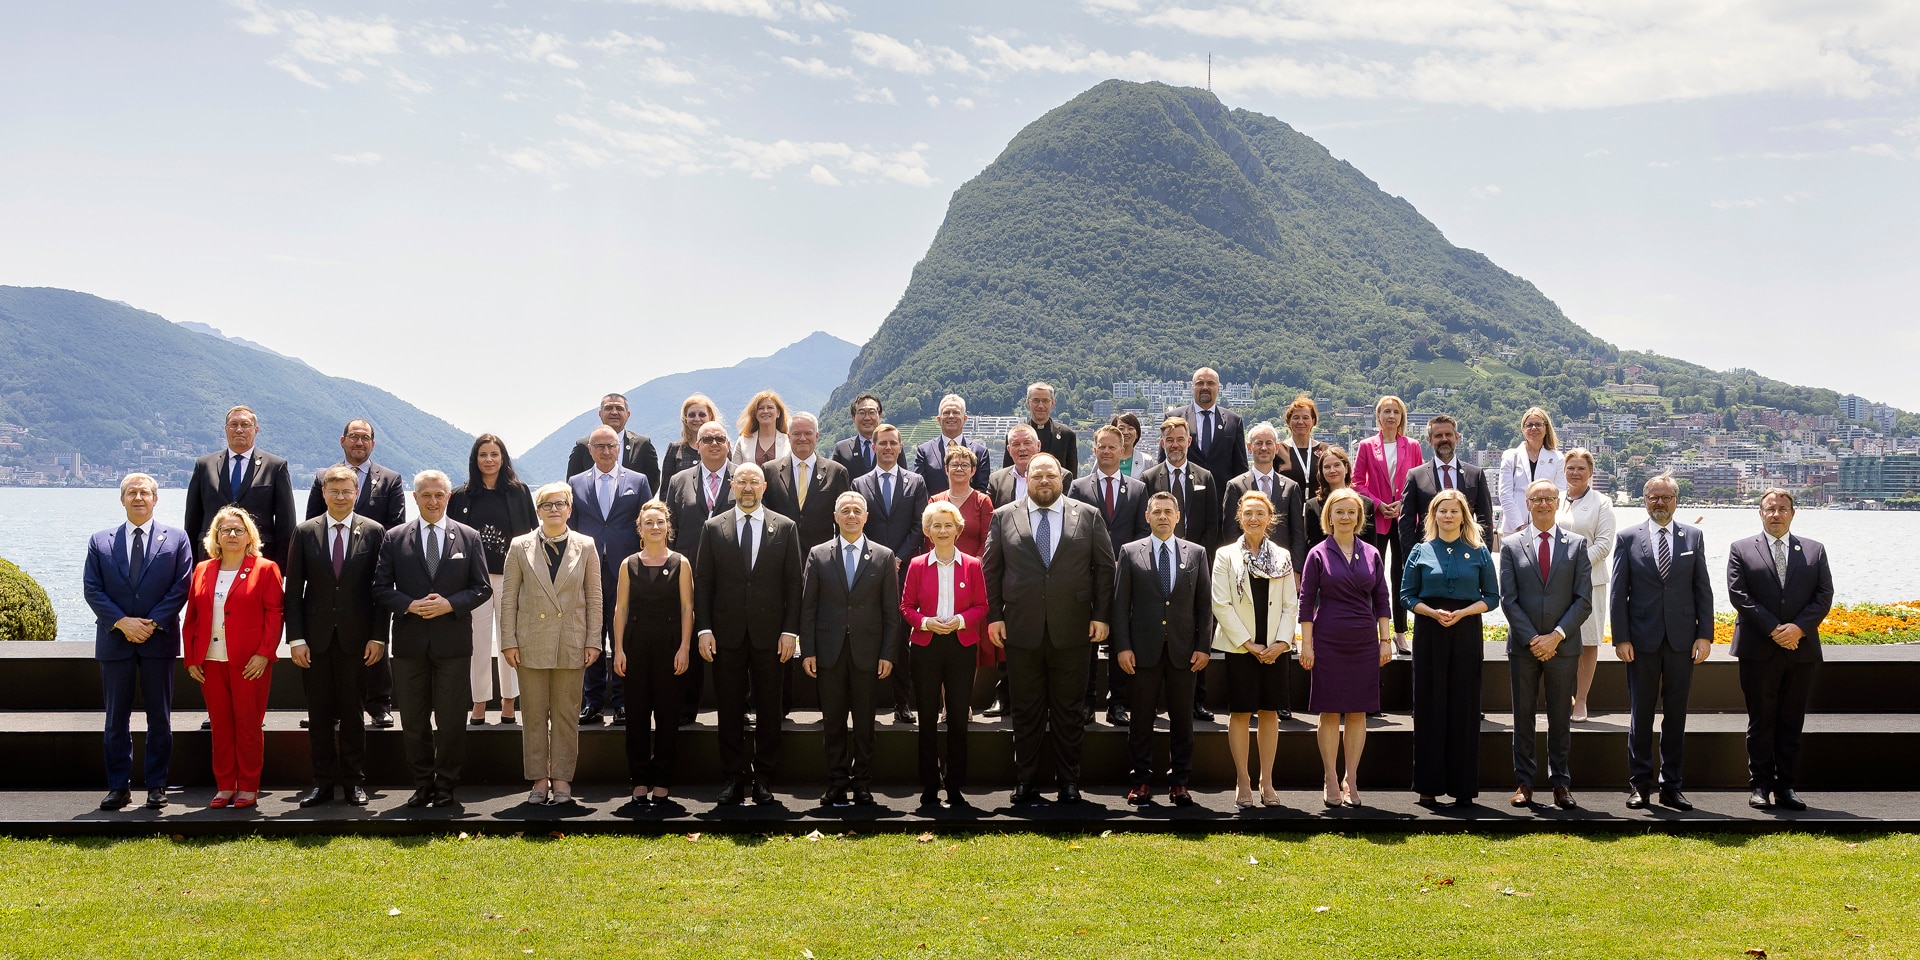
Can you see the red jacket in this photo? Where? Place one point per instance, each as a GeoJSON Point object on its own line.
{"type": "Point", "coordinates": [920, 598]}
{"type": "Point", "coordinates": [253, 612]}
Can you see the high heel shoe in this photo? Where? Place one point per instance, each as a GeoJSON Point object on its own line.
{"type": "Point", "coordinates": [244, 801]}
{"type": "Point", "coordinates": [1350, 798]}
{"type": "Point", "coordinates": [1269, 799]}
{"type": "Point", "coordinates": [220, 800]}
{"type": "Point", "coordinates": [1330, 795]}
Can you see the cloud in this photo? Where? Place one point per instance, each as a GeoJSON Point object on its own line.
{"type": "Point", "coordinates": [407, 83]}
{"type": "Point", "coordinates": [661, 71]}
{"type": "Point", "coordinates": [321, 39]}
{"type": "Point", "coordinates": [1487, 192]}
{"type": "Point", "coordinates": [822, 176]}
{"type": "Point", "coordinates": [964, 103]}
{"type": "Point", "coordinates": [818, 69]}
{"type": "Point", "coordinates": [887, 53]}
{"type": "Point", "coordinates": [756, 9]}
{"type": "Point", "coordinates": [1597, 152]}
{"type": "Point", "coordinates": [874, 95]}
{"type": "Point", "coordinates": [788, 36]}
{"type": "Point", "coordinates": [446, 44]}
{"type": "Point", "coordinates": [616, 42]}
{"type": "Point", "coordinates": [1662, 164]}
{"type": "Point", "coordinates": [365, 159]}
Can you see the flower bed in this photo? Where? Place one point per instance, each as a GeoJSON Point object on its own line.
{"type": "Point", "coordinates": [1859, 623]}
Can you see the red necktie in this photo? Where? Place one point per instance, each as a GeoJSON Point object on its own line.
{"type": "Point", "coordinates": [1109, 498]}
{"type": "Point", "coordinates": [1546, 556]}
{"type": "Point", "coordinates": [1446, 476]}
{"type": "Point", "coordinates": [339, 549]}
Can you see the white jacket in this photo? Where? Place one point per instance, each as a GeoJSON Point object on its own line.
{"type": "Point", "coordinates": [1233, 607]}
{"type": "Point", "coordinates": [1515, 476]}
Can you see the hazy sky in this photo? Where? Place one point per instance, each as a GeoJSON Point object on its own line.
{"type": "Point", "coordinates": [498, 211]}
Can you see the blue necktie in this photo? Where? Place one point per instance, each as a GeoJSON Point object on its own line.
{"type": "Point", "coordinates": [848, 557]}
{"type": "Point", "coordinates": [886, 491]}
{"type": "Point", "coordinates": [1166, 569]}
{"type": "Point", "coordinates": [1044, 535]}
{"type": "Point", "coordinates": [239, 473]}
{"type": "Point", "coordinates": [138, 562]}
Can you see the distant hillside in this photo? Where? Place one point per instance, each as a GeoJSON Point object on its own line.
{"type": "Point", "coordinates": [213, 331]}
{"type": "Point", "coordinates": [116, 384]}
{"type": "Point", "coordinates": [803, 373]}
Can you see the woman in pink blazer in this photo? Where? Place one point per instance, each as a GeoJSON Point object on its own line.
{"type": "Point", "coordinates": [1380, 471]}
{"type": "Point", "coordinates": [231, 638]}
{"type": "Point", "coordinates": [945, 604]}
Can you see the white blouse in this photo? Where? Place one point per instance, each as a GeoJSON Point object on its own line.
{"type": "Point", "coordinates": [217, 650]}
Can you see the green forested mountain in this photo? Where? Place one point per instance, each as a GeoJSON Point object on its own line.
{"type": "Point", "coordinates": [118, 385]}
{"type": "Point", "coordinates": [1141, 230]}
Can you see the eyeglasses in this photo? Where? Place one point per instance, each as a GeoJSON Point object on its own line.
{"type": "Point", "coordinates": [233, 531]}
{"type": "Point", "coordinates": [604, 446]}
{"type": "Point", "coordinates": [359, 437]}
{"type": "Point", "coordinates": [1553, 499]}
{"type": "Point", "coordinates": [551, 505]}
{"type": "Point", "coordinates": [713, 439]}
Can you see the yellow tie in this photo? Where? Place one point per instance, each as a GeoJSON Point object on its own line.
{"type": "Point", "coordinates": [803, 485]}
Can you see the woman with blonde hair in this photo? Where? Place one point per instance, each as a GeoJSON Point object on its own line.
{"type": "Point", "coordinates": [1255, 602]}
{"type": "Point", "coordinates": [1588, 514]}
{"type": "Point", "coordinates": [1380, 470]}
{"type": "Point", "coordinates": [652, 649]}
{"type": "Point", "coordinates": [1449, 582]}
{"type": "Point", "coordinates": [231, 637]}
{"type": "Point", "coordinates": [1536, 458]}
{"type": "Point", "coordinates": [550, 614]}
{"type": "Point", "coordinates": [685, 452]}
{"type": "Point", "coordinates": [763, 430]}
{"type": "Point", "coordinates": [1345, 616]}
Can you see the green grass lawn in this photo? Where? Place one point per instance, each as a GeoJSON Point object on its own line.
{"type": "Point", "coordinates": [1123, 895]}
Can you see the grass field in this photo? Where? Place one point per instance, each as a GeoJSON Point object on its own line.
{"type": "Point", "coordinates": [1118, 895]}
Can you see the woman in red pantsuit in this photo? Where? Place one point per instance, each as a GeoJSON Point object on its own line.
{"type": "Point", "coordinates": [232, 634]}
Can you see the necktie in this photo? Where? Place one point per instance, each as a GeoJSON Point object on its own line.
{"type": "Point", "coordinates": [1166, 569]}
{"type": "Point", "coordinates": [433, 551]}
{"type": "Point", "coordinates": [1665, 557]}
{"type": "Point", "coordinates": [1206, 431]}
{"type": "Point", "coordinates": [1043, 537]}
{"type": "Point", "coordinates": [1779, 560]}
{"type": "Point", "coordinates": [339, 549]}
{"type": "Point", "coordinates": [886, 491]}
{"type": "Point", "coordinates": [847, 559]}
{"type": "Point", "coordinates": [1266, 486]}
{"type": "Point", "coordinates": [1446, 476]}
{"type": "Point", "coordinates": [1546, 556]}
{"type": "Point", "coordinates": [866, 453]}
{"type": "Point", "coordinates": [1110, 505]}
{"type": "Point", "coordinates": [1180, 488]}
{"type": "Point", "coordinates": [606, 495]}
{"type": "Point", "coordinates": [138, 562]}
{"type": "Point", "coordinates": [801, 483]}
{"type": "Point", "coordinates": [713, 490]}
{"type": "Point", "coordinates": [361, 501]}
{"type": "Point", "coordinates": [239, 474]}
{"type": "Point", "coordinates": [746, 539]}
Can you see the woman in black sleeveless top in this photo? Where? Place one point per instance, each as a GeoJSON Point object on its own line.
{"type": "Point", "coordinates": [652, 640]}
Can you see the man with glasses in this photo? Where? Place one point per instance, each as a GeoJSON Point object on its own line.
{"type": "Point", "coordinates": [856, 453]}
{"type": "Point", "coordinates": [254, 481]}
{"type": "Point", "coordinates": [930, 458]}
{"type": "Point", "coordinates": [1546, 593]}
{"type": "Point", "coordinates": [636, 449]}
{"type": "Point", "coordinates": [382, 499]}
{"type": "Point", "coordinates": [694, 496]}
{"type": "Point", "coordinates": [1781, 588]}
{"type": "Point", "coordinates": [606, 506]}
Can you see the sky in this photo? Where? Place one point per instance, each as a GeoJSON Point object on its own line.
{"type": "Point", "coordinates": [499, 211]}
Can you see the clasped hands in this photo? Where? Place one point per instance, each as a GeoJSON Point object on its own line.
{"type": "Point", "coordinates": [430, 606]}
{"type": "Point", "coordinates": [1701, 648]}
{"type": "Point", "coordinates": [253, 669]}
{"type": "Point", "coordinates": [135, 629]}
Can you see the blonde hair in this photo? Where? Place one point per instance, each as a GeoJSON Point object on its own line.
{"type": "Point", "coordinates": [1581, 453]}
{"type": "Point", "coordinates": [942, 508]}
{"type": "Point", "coordinates": [1469, 525]}
{"type": "Point", "coordinates": [1344, 493]}
{"type": "Point", "coordinates": [558, 486]}
{"type": "Point", "coordinates": [750, 420]}
{"type": "Point", "coordinates": [1551, 442]}
{"type": "Point", "coordinates": [1398, 404]}
{"type": "Point", "coordinates": [211, 540]}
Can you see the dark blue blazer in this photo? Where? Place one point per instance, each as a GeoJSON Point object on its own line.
{"type": "Point", "coordinates": [931, 464]}
{"type": "Point", "coordinates": [159, 596]}
{"type": "Point", "coordinates": [1648, 611]}
{"type": "Point", "coordinates": [1762, 604]}
{"type": "Point", "coordinates": [615, 535]}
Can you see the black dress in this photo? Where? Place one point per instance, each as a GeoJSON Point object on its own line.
{"type": "Point", "coordinates": [651, 639]}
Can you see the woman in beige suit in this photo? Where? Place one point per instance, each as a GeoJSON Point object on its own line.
{"type": "Point", "coordinates": [550, 632]}
{"type": "Point", "coordinates": [1255, 602]}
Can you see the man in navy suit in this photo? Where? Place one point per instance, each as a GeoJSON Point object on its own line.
{"type": "Point", "coordinates": [850, 629]}
{"type": "Point", "coordinates": [1781, 589]}
{"type": "Point", "coordinates": [1219, 437]}
{"type": "Point", "coordinates": [1162, 632]}
{"type": "Point", "coordinates": [1662, 626]}
{"type": "Point", "coordinates": [856, 452]}
{"type": "Point", "coordinates": [895, 500]}
{"type": "Point", "coordinates": [1122, 502]}
{"type": "Point", "coordinates": [1054, 437]}
{"type": "Point", "coordinates": [136, 583]}
{"type": "Point", "coordinates": [930, 458]}
{"type": "Point", "coordinates": [1444, 472]}
{"type": "Point", "coordinates": [245, 477]}
{"type": "Point", "coordinates": [606, 503]}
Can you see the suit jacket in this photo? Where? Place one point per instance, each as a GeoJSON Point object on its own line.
{"type": "Point", "coordinates": [636, 454]}
{"type": "Point", "coordinates": [1001, 487]}
{"type": "Point", "coordinates": [1056, 601]}
{"type": "Point", "coordinates": [551, 620]}
{"type": "Point", "coordinates": [1289, 528]}
{"type": "Point", "coordinates": [1129, 520]}
{"type": "Point", "coordinates": [748, 607]}
{"type": "Point", "coordinates": [401, 578]}
{"type": "Point", "coordinates": [1306, 474]}
{"type": "Point", "coordinates": [320, 607]}
{"type": "Point", "coordinates": [383, 499]}
{"type": "Point", "coordinates": [687, 499]}
{"type": "Point", "coordinates": [1423, 484]}
{"type": "Point", "coordinates": [898, 530]}
{"type": "Point", "coordinates": [1516, 474]}
{"type": "Point", "coordinates": [1147, 619]}
{"type": "Point", "coordinates": [159, 595]}
{"type": "Point", "coordinates": [266, 493]}
{"type": "Point", "coordinates": [254, 612]}
{"type": "Point", "coordinates": [847, 454]}
{"type": "Point", "coordinates": [614, 535]}
{"type": "Point", "coordinates": [1761, 603]}
{"type": "Point", "coordinates": [1200, 515]}
{"type": "Point", "coordinates": [1233, 615]}
{"type": "Point", "coordinates": [1649, 611]}
{"type": "Point", "coordinates": [1058, 440]}
{"type": "Point", "coordinates": [860, 620]}
{"type": "Point", "coordinates": [827, 481]}
{"type": "Point", "coordinates": [1533, 607]}
{"type": "Point", "coordinates": [1228, 455]}
{"type": "Point", "coordinates": [1370, 473]}
{"type": "Point", "coordinates": [930, 462]}
{"type": "Point", "coordinates": [920, 597]}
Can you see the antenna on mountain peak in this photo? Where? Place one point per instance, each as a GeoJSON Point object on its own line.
{"type": "Point", "coordinates": [1209, 73]}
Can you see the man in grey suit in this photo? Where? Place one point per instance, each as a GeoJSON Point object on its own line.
{"type": "Point", "coordinates": [694, 496]}
{"type": "Point", "coordinates": [1546, 593]}
{"type": "Point", "coordinates": [1162, 632]}
{"type": "Point", "coordinates": [849, 636]}
{"type": "Point", "coordinates": [896, 498]}
{"type": "Point", "coordinates": [1049, 570]}
{"type": "Point", "coordinates": [432, 573]}
{"type": "Point", "coordinates": [606, 503]}
{"type": "Point", "coordinates": [1662, 626]}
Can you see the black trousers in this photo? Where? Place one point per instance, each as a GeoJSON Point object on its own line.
{"type": "Point", "coordinates": [1528, 675]}
{"type": "Point", "coordinates": [1118, 683]}
{"type": "Point", "coordinates": [736, 669]}
{"type": "Point", "coordinates": [1394, 555]}
{"type": "Point", "coordinates": [652, 692]}
{"type": "Point", "coordinates": [1658, 679]}
{"type": "Point", "coordinates": [1446, 705]}
{"type": "Point", "coordinates": [943, 665]}
{"type": "Point", "coordinates": [846, 693]}
{"type": "Point", "coordinates": [1777, 691]}
{"type": "Point", "coordinates": [434, 695]}
{"type": "Point", "coordinates": [1048, 685]}
{"type": "Point", "coordinates": [334, 689]}
{"type": "Point", "coordinates": [376, 687]}
{"type": "Point", "coordinates": [599, 688]}
{"type": "Point", "coordinates": [690, 684]}
{"type": "Point", "coordinates": [1170, 681]}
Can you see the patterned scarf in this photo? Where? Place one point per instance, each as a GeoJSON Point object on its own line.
{"type": "Point", "coordinates": [1265, 563]}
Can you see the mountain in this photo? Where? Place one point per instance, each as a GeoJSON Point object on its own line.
{"type": "Point", "coordinates": [124, 387]}
{"type": "Point", "coordinates": [1140, 231]}
{"type": "Point", "coordinates": [212, 331]}
{"type": "Point", "coordinates": [803, 373]}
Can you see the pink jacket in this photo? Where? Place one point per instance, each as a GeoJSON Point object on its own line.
{"type": "Point", "coordinates": [1370, 473]}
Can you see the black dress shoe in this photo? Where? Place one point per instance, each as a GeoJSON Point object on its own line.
{"type": "Point", "coordinates": [730, 793]}
{"type": "Point", "coordinates": [1786, 799]}
{"type": "Point", "coordinates": [1069, 792]}
{"type": "Point", "coordinates": [420, 797]}
{"type": "Point", "coordinates": [996, 709]}
{"type": "Point", "coordinates": [357, 795]}
{"type": "Point", "coordinates": [903, 714]}
{"type": "Point", "coordinates": [590, 715]}
{"type": "Point", "coordinates": [443, 798]}
{"type": "Point", "coordinates": [761, 795]}
{"type": "Point", "coordinates": [1676, 800]}
{"type": "Point", "coordinates": [1284, 714]}
{"type": "Point", "coordinates": [956, 801]}
{"type": "Point", "coordinates": [1636, 798]}
{"type": "Point", "coordinates": [1024, 795]}
{"type": "Point", "coordinates": [157, 798]}
{"type": "Point", "coordinates": [383, 720]}
{"type": "Point", "coordinates": [1758, 799]}
{"type": "Point", "coordinates": [476, 721]}
{"type": "Point", "coordinates": [1563, 798]}
{"type": "Point", "coordinates": [315, 796]}
{"type": "Point", "coordinates": [862, 797]}
{"type": "Point", "coordinates": [834, 797]}
{"type": "Point", "coordinates": [304, 723]}
{"type": "Point", "coordinates": [116, 799]}
{"type": "Point", "coordinates": [929, 799]}
{"type": "Point", "coordinates": [620, 717]}
{"type": "Point", "coordinates": [1117, 716]}
{"type": "Point", "coordinates": [689, 717]}
{"type": "Point", "coordinates": [1140, 796]}
{"type": "Point", "coordinates": [1202, 713]}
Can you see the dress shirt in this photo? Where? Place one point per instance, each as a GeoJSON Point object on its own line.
{"type": "Point", "coordinates": [759, 528]}
{"type": "Point", "coordinates": [1533, 546]}
{"type": "Point", "coordinates": [1271, 479]}
{"type": "Point", "coordinates": [1451, 570]}
{"type": "Point", "coordinates": [1053, 524]}
{"type": "Point", "coordinates": [1173, 562]}
{"type": "Point", "coordinates": [605, 487]}
{"type": "Point", "coordinates": [813, 470]}
{"type": "Point", "coordinates": [1019, 484]}
{"type": "Point", "coordinates": [945, 574]}
{"type": "Point", "coordinates": [857, 545]}
{"type": "Point", "coordinates": [1100, 481]}
{"type": "Point", "coordinates": [707, 485]}
{"type": "Point", "coordinates": [1391, 450]}
{"type": "Point", "coordinates": [360, 477]}
{"type": "Point", "coordinates": [333, 528]}
{"type": "Point", "coordinates": [217, 648]}
{"type": "Point", "coordinates": [1446, 473]}
{"type": "Point", "coordinates": [439, 537]}
{"type": "Point", "coordinates": [1778, 547]}
{"type": "Point", "coordinates": [126, 531]}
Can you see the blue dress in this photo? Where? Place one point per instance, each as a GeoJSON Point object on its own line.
{"type": "Point", "coordinates": [1344, 600]}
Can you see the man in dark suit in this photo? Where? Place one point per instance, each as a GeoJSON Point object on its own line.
{"type": "Point", "coordinates": [930, 458]}
{"type": "Point", "coordinates": [1191, 485]}
{"type": "Point", "coordinates": [607, 498]}
{"type": "Point", "coordinates": [856, 452]}
{"type": "Point", "coordinates": [1122, 502]}
{"type": "Point", "coordinates": [1781, 589]}
{"type": "Point", "coordinates": [803, 485]}
{"type": "Point", "coordinates": [746, 608]}
{"type": "Point", "coordinates": [1054, 437]}
{"type": "Point", "coordinates": [335, 630]}
{"type": "Point", "coordinates": [1219, 438]}
{"type": "Point", "coordinates": [695, 496]}
{"type": "Point", "coordinates": [1444, 472]}
{"type": "Point", "coordinates": [1289, 527]}
{"type": "Point", "coordinates": [432, 573]}
{"type": "Point", "coordinates": [1662, 625]}
{"type": "Point", "coordinates": [1162, 632]}
{"type": "Point", "coordinates": [1303, 451]}
{"type": "Point", "coordinates": [1049, 569]}
{"type": "Point", "coordinates": [1009, 483]}
{"type": "Point", "coordinates": [1546, 593]}
{"type": "Point", "coordinates": [135, 582]}
{"type": "Point", "coordinates": [850, 631]}
{"type": "Point", "coordinates": [636, 449]}
{"type": "Point", "coordinates": [895, 500]}
{"type": "Point", "coordinates": [254, 481]}
{"type": "Point", "coordinates": [382, 499]}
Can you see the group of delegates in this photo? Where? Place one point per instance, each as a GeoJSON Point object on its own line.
{"type": "Point", "coordinates": [757, 552]}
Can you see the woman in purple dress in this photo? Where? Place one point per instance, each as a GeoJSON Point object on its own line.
{"type": "Point", "coordinates": [1346, 636]}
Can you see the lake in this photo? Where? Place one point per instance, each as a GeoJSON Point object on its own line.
{"type": "Point", "coordinates": [1875, 556]}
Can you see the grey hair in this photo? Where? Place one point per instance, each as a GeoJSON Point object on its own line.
{"type": "Point", "coordinates": [137, 478]}
{"type": "Point", "coordinates": [431, 476]}
{"type": "Point", "coordinates": [953, 398]}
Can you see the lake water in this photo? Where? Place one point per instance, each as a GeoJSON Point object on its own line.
{"type": "Point", "coordinates": [1875, 556]}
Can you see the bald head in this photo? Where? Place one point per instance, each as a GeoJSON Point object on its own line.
{"type": "Point", "coordinates": [604, 444]}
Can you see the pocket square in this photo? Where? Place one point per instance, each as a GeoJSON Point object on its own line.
{"type": "Point", "coordinates": [1686, 553]}
{"type": "Point", "coordinates": [458, 556]}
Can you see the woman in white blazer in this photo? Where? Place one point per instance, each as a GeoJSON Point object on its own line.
{"type": "Point", "coordinates": [1590, 515]}
{"type": "Point", "coordinates": [1536, 458]}
{"type": "Point", "coordinates": [762, 436]}
{"type": "Point", "coordinates": [550, 631]}
{"type": "Point", "coordinates": [1256, 600]}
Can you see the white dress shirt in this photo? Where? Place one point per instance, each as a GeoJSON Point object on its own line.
{"type": "Point", "coordinates": [759, 527]}
{"type": "Point", "coordinates": [813, 471]}
{"type": "Point", "coordinates": [1053, 525]}
{"type": "Point", "coordinates": [945, 574]}
{"type": "Point", "coordinates": [606, 486]}
{"type": "Point", "coordinates": [126, 532]}
{"type": "Point", "coordinates": [440, 536]}
{"type": "Point", "coordinates": [217, 648]}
